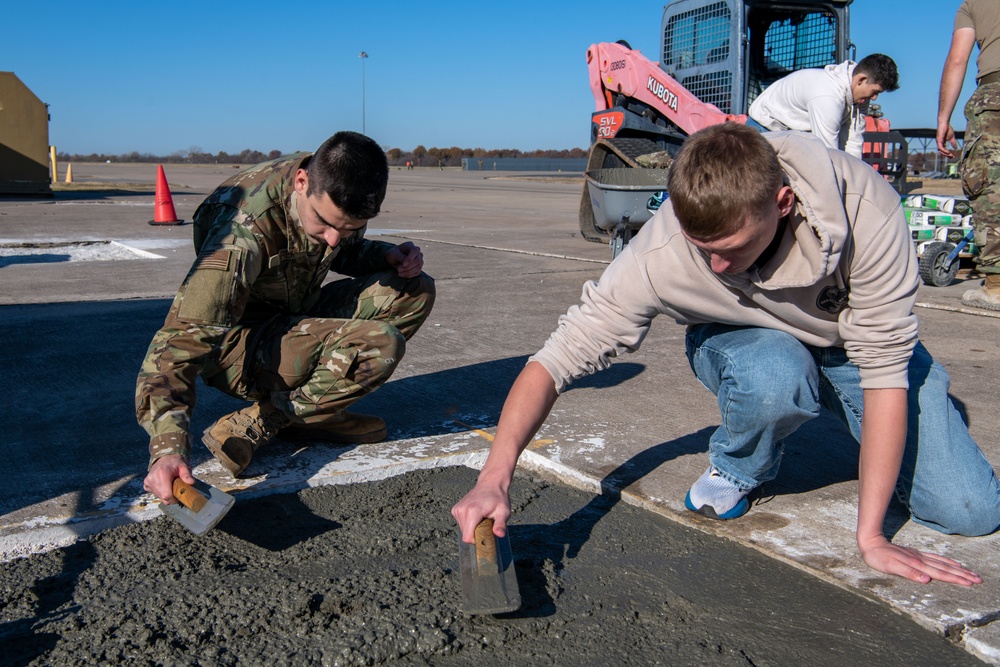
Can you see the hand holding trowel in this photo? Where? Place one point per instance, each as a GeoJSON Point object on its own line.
{"type": "Point", "coordinates": [200, 507]}
{"type": "Point", "coordinates": [489, 582]}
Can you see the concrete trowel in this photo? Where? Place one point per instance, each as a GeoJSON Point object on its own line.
{"type": "Point", "coordinates": [201, 506]}
{"type": "Point", "coordinates": [489, 582]}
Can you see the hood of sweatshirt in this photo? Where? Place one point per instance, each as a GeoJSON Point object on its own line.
{"type": "Point", "coordinates": [817, 231]}
{"type": "Point", "coordinates": [843, 74]}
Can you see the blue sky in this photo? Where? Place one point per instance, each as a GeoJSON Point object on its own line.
{"type": "Point", "coordinates": [224, 76]}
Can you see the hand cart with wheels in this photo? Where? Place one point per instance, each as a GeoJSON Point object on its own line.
{"type": "Point", "coordinates": [939, 258]}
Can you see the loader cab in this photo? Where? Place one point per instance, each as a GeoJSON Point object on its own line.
{"type": "Point", "coordinates": [727, 51]}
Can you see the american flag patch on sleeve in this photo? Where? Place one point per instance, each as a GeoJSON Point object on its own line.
{"type": "Point", "coordinates": [216, 259]}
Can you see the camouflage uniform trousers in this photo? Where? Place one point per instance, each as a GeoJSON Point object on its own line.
{"type": "Point", "coordinates": [345, 346]}
{"type": "Point", "coordinates": [980, 170]}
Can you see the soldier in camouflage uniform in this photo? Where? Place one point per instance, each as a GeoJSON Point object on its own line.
{"type": "Point", "coordinates": [254, 320]}
{"type": "Point", "coordinates": [977, 22]}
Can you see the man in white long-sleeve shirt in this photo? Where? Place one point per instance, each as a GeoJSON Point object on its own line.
{"type": "Point", "coordinates": [828, 102]}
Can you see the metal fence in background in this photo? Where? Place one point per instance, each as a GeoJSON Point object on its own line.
{"type": "Point", "coordinates": [524, 164]}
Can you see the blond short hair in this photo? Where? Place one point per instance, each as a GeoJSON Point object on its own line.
{"type": "Point", "coordinates": [722, 175]}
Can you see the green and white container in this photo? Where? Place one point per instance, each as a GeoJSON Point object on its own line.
{"type": "Point", "coordinates": [929, 216]}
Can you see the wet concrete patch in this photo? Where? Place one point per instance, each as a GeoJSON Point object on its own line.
{"type": "Point", "coordinates": [367, 574]}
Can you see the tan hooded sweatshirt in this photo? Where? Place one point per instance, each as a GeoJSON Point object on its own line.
{"type": "Point", "coordinates": [844, 275]}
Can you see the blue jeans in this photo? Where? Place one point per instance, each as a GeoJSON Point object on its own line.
{"type": "Point", "coordinates": [768, 384]}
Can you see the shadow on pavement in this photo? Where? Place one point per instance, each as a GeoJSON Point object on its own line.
{"type": "Point", "coordinates": [275, 523]}
{"type": "Point", "coordinates": [469, 396]}
{"type": "Point", "coordinates": [44, 258]}
{"type": "Point", "coordinates": [20, 641]}
{"type": "Point", "coordinates": [69, 378]}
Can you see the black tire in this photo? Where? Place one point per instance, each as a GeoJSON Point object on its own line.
{"type": "Point", "coordinates": [588, 228]}
{"type": "Point", "coordinates": [932, 268]}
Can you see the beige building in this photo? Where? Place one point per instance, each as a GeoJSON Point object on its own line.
{"type": "Point", "coordinates": [24, 139]}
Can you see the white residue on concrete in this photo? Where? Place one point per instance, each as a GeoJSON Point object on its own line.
{"type": "Point", "coordinates": [75, 251]}
{"type": "Point", "coordinates": [984, 643]}
{"type": "Point", "coordinates": [957, 616]}
{"type": "Point", "coordinates": [103, 203]}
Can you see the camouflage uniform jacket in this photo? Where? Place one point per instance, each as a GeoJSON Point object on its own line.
{"type": "Point", "coordinates": [254, 263]}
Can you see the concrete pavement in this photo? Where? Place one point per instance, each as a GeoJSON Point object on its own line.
{"type": "Point", "coordinates": [77, 312]}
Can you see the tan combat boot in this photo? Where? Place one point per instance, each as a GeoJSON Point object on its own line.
{"type": "Point", "coordinates": [987, 296]}
{"type": "Point", "coordinates": [233, 439]}
{"type": "Point", "coordinates": [344, 428]}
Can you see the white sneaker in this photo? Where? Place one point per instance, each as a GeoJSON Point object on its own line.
{"type": "Point", "coordinates": [716, 497]}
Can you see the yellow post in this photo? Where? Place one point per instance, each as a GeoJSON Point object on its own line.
{"type": "Point", "coordinates": [69, 173]}
{"type": "Point", "coordinates": [52, 159]}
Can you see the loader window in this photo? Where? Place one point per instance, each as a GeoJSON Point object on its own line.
{"type": "Point", "coordinates": [782, 42]}
{"type": "Point", "coordinates": [699, 38]}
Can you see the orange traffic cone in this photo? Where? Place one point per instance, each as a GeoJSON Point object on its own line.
{"type": "Point", "coordinates": [164, 213]}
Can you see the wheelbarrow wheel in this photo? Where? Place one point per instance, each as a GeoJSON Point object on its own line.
{"type": "Point", "coordinates": [933, 270]}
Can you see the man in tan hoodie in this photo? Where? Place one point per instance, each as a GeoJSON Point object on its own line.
{"type": "Point", "coordinates": [794, 272]}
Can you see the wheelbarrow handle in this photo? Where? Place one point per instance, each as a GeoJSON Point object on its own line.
{"type": "Point", "coordinates": [959, 247]}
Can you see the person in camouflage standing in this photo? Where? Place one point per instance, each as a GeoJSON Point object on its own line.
{"type": "Point", "coordinates": [977, 22]}
{"type": "Point", "coordinates": [254, 320]}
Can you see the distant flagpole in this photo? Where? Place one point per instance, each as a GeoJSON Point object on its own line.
{"type": "Point", "coordinates": [364, 56]}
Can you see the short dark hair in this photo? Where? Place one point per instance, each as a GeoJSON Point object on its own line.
{"type": "Point", "coordinates": [353, 170]}
{"type": "Point", "coordinates": [881, 70]}
{"type": "Point", "coordinates": [721, 175]}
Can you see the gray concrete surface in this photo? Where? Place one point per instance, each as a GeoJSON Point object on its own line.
{"type": "Point", "coordinates": [508, 259]}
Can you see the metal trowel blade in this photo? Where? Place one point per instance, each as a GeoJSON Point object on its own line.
{"type": "Point", "coordinates": [489, 581]}
{"type": "Point", "coordinates": [218, 505]}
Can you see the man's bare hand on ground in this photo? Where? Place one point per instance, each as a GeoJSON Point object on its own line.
{"type": "Point", "coordinates": [918, 566]}
{"type": "Point", "coordinates": [160, 478]}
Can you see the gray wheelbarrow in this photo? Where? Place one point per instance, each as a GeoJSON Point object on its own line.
{"type": "Point", "coordinates": [624, 199]}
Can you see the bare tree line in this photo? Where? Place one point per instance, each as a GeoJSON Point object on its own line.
{"type": "Point", "coordinates": [448, 157]}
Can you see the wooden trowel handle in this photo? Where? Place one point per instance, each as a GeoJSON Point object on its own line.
{"type": "Point", "coordinates": [188, 496]}
{"type": "Point", "coordinates": [486, 542]}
